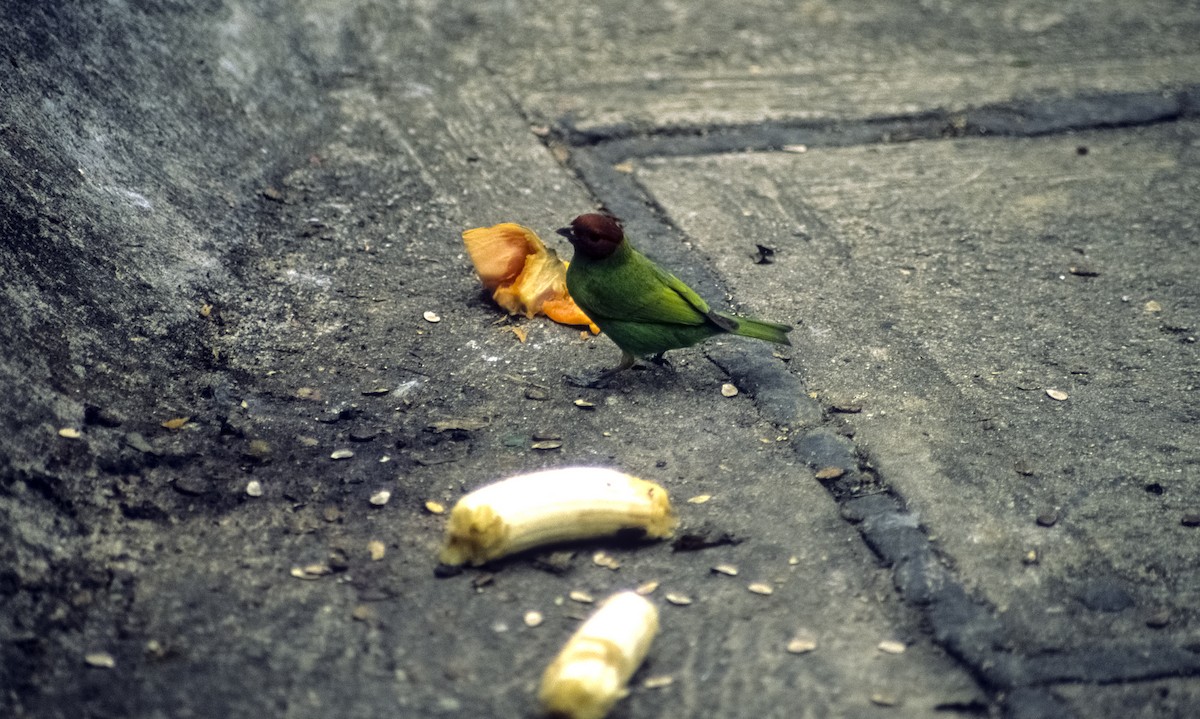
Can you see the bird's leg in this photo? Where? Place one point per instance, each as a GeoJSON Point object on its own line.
{"type": "Point", "coordinates": [599, 379]}
{"type": "Point", "coordinates": [661, 360]}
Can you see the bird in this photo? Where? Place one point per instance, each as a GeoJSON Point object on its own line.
{"type": "Point", "coordinates": [641, 307]}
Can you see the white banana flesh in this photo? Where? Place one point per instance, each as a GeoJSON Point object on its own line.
{"type": "Point", "coordinates": [553, 506]}
{"type": "Point", "coordinates": [592, 671]}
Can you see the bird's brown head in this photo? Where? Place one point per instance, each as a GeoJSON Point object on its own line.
{"type": "Point", "coordinates": [594, 235]}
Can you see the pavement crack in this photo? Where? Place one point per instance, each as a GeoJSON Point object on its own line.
{"type": "Point", "coordinates": [1020, 117]}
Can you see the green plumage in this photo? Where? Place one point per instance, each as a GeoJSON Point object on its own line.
{"type": "Point", "coordinates": [646, 310]}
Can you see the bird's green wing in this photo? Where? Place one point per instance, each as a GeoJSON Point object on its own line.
{"type": "Point", "coordinates": [696, 302]}
{"type": "Point", "coordinates": [644, 293]}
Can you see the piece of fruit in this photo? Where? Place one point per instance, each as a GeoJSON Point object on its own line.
{"type": "Point", "coordinates": [592, 671]}
{"type": "Point", "coordinates": [552, 506]}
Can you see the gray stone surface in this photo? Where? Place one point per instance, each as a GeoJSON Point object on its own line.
{"type": "Point", "coordinates": [916, 258]}
{"type": "Point", "coordinates": [237, 212]}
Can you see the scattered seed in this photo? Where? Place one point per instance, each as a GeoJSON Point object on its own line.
{"type": "Point", "coordinates": [658, 682]}
{"type": "Point", "coordinates": [303, 573]}
{"type": "Point", "coordinates": [606, 560]}
{"type": "Point", "coordinates": [1057, 394]}
{"type": "Point", "coordinates": [432, 317]}
{"type": "Point", "coordinates": [700, 499]}
{"type": "Point", "coordinates": [377, 549]}
{"type": "Point", "coordinates": [363, 613]}
{"type": "Point", "coordinates": [381, 497]}
{"type": "Point", "coordinates": [555, 562]}
{"type": "Point", "coordinates": [1152, 306]}
{"type": "Point", "coordinates": [342, 454]}
{"type": "Point", "coordinates": [581, 596]}
{"type": "Point", "coordinates": [435, 507]}
{"type": "Point", "coordinates": [482, 580]}
{"type": "Point", "coordinates": [646, 588]}
{"type": "Point", "coordinates": [846, 407]}
{"type": "Point", "coordinates": [1191, 519]}
{"type": "Point", "coordinates": [884, 700]}
{"type": "Point", "coordinates": [802, 643]}
{"type": "Point", "coordinates": [624, 167]}
{"type": "Point", "coordinates": [1048, 518]}
{"type": "Point", "coordinates": [339, 561]}
{"type": "Point", "coordinates": [546, 444]}
{"type": "Point", "coordinates": [101, 660]}
{"type": "Point", "coordinates": [70, 433]}
{"type": "Point", "coordinates": [308, 393]}
{"type": "Point", "coordinates": [681, 600]}
{"type": "Point", "coordinates": [254, 488]}
{"type": "Point", "coordinates": [331, 513]}
{"type": "Point", "coordinates": [1159, 619]}
{"type": "Point", "coordinates": [727, 569]}
{"type": "Point", "coordinates": [891, 646]}
{"type": "Point", "coordinates": [827, 473]}
{"type": "Point", "coordinates": [308, 441]}
{"type": "Point", "coordinates": [258, 450]}
{"type": "Point", "coordinates": [176, 423]}
{"type": "Point", "coordinates": [584, 404]}
{"type": "Point", "coordinates": [138, 442]}
{"type": "Point", "coordinates": [465, 424]}
{"type": "Point", "coordinates": [375, 391]}
{"type": "Point", "coordinates": [533, 619]}
{"type": "Point", "coordinates": [761, 588]}
{"type": "Point", "coordinates": [798, 149]}
{"type": "Point", "coordinates": [728, 390]}
{"type": "Point", "coordinates": [793, 561]}
{"type": "Point", "coordinates": [363, 434]}
{"type": "Point", "coordinates": [1031, 557]}
{"type": "Point", "coordinates": [536, 394]}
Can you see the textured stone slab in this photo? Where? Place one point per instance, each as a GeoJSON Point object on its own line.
{"type": "Point", "coordinates": [910, 86]}
{"type": "Point", "coordinates": [945, 287]}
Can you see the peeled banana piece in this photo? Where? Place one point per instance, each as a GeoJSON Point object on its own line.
{"type": "Point", "coordinates": [553, 506]}
{"type": "Point", "coordinates": [593, 669]}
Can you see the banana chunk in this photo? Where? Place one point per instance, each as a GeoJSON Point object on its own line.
{"type": "Point", "coordinates": [591, 672]}
{"type": "Point", "coordinates": [552, 506]}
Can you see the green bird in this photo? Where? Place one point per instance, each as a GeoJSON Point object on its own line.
{"type": "Point", "coordinates": [643, 308]}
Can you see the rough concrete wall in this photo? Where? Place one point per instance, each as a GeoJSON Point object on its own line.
{"type": "Point", "coordinates": [136, 139]}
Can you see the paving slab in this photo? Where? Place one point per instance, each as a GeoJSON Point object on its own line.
{"type": "Point", "coordinates": [1056, 518]}
{"type": "Point", "coordinates": [986, 277]}
{"type": "Point", "coordinates": [702, 66]}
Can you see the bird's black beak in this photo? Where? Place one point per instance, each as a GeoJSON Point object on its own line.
{"type": "Point", "coordinates": [566, 232]}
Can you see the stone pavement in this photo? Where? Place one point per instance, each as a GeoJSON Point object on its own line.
{"type": "Point", "coordinates": [982, 219]}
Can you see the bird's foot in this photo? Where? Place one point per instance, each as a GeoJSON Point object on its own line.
{"type": "Point", "coordinates": [661, 360]}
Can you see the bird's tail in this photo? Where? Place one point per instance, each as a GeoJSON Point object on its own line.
{"type": "Point", "coordinates": [759, 329]}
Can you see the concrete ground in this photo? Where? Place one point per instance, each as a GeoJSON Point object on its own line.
{"type": "Point", "coordinates": [972, 482]}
